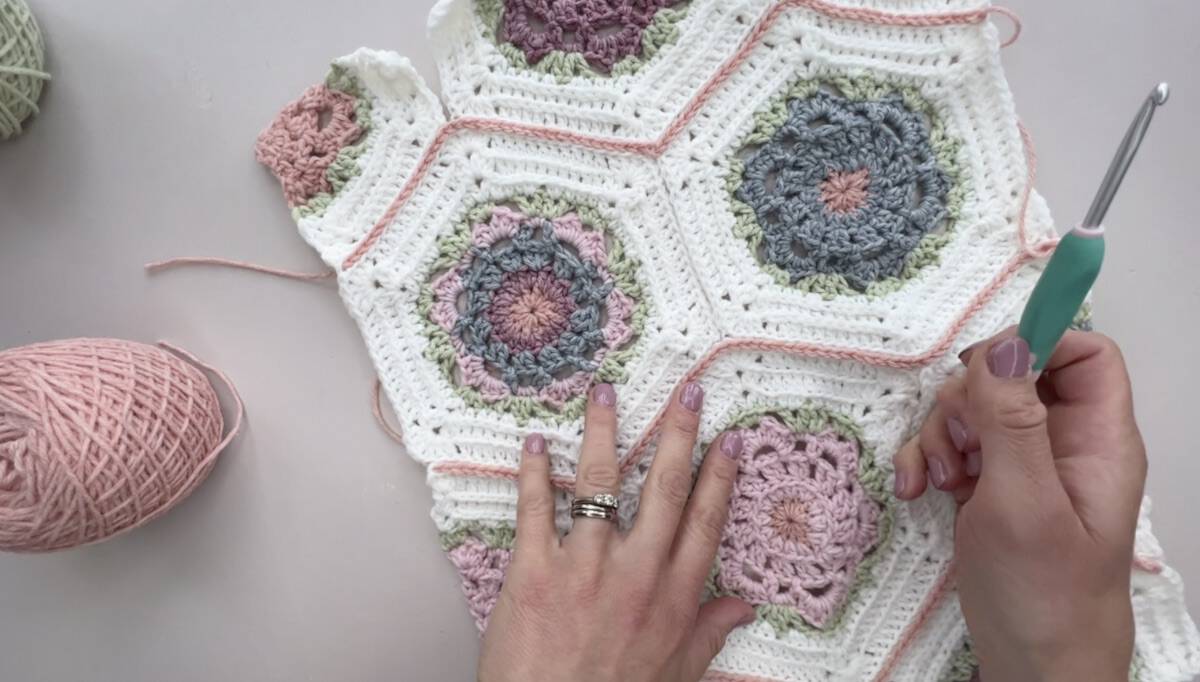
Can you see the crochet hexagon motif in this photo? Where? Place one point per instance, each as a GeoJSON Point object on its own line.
{"type": "Point", "coordinates": [532, 309]}
{"type": "Point", "coordinates": [809, 206]}
{"type": "Point", "coordinates": [808, 508]}
{"type": "Point", "coordinates": [850, 188]}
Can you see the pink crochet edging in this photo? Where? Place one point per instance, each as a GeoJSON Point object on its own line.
{"type": "Point", "coordinates": [656, 148]}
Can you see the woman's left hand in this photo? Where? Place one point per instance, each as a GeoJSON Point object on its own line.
{"type": "Point", "coordinates": [600, 605]}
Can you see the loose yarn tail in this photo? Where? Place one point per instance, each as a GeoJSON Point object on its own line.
{"type": "Point", "coordinates": [238, 406]}
{"type": "Point", "coordinates": [241, 265]}
{"type": "Point", "coordinates": [377, 410]}
{"type": "Point", "coordinates": [1012, 16]}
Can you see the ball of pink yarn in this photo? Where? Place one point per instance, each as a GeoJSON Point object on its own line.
{"type": "Point", "coordinates": [98, 436]}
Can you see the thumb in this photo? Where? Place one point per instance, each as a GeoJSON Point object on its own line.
{"type": "Point", "coordinates": [715, 621]}
{"type": "Point", "coordinates": [1003, 407]}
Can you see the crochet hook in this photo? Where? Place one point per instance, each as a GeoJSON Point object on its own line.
{"type": "Point", "coordinates": [1068, 277]}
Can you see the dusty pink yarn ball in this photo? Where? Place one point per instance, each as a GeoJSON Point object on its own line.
{"type": "Point", "coordinates": [98, 436]}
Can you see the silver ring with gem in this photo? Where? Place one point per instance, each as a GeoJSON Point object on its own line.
{"type": "Point", "coordinates": [599, 500]}
{"type": "Point", "coordinates": [602, 506]}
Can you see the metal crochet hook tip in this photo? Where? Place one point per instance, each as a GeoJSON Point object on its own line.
{"type": "Point", "coordinates": [1161, 93]}
{"type": "Point", "coordinates": [1125, 153]}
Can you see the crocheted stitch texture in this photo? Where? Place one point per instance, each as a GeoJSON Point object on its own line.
{"type": "Point", "coordinates": [532, 306]}
{"type": "Point", "coordinates": [314, 143]}
{"type": "Point", "coordinates": [588, 38]}
{"type": "Point", "coordinates": [847, 186]}
{"type": "Point", "coordinates": [808, 509]}
{"type": "Point", "coordinates": [809, 206]}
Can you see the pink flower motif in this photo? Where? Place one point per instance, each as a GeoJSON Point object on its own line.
{"type": "Point", "coordinates": [800, 522]}
{"type": "Point", "coordinates": [482, 571]}
{"type": "Point", "coordinates": [304, 140]}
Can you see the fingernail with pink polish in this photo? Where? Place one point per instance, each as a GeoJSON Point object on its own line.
{"type": "Point", "coordinates": [974, 463]}
{"type": "Point", "coordinates": [958, 432]}
{"type": "Point", "coordinates": [691, 396]}
{"type": "Point", "coordinates": [605, 395]}
{"type": "Point", "coordinates": [937, 472]}
{"type": "Point", "coordinates": [1009, 359]}
{"type": "Point", "coordinates": [747, 620]}
{"type": "Point", "coordinates": [731, 445]}
{"type": "Point", "coordinates": [901, 483]}
{"type": "Point", "coordinates": [535, 444]}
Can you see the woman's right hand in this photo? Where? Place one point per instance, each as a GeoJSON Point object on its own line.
{"type": "Point", "coordinates": [1049, 475]}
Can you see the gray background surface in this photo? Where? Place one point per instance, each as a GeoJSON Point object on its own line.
{"type": "Point", "coordinates": [309, 554]}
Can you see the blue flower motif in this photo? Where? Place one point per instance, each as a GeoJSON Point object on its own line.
{"type": "Point", "coordinates": [845, 187]}
{"type": "Point", "coordinates": [532, 310]}
{"type": "Point", "coordinates": [534, 268]}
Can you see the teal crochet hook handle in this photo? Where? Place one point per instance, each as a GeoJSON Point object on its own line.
{"type": "Point", "coordinates": [1061, 291]}
{"type": "Point", "coordinates": [1076, 262]}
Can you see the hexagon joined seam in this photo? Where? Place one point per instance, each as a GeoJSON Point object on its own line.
{"type": "Point", "coordinates": [656, 147]}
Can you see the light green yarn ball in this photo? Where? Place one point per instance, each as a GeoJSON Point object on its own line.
{"type": "Point", "coordinates": [22, 58]}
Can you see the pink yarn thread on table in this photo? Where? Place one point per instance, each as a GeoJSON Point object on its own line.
{"type": "Point", "coordinates": [98, 436]}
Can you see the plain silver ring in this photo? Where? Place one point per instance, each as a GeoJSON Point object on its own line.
{"type": "Point", "coordinates": [592, 511]}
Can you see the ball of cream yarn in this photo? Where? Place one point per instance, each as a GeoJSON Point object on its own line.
{"type": "Point", "coordinates": [98, 436]}
{"type": "Point", "coordinates": [22, 56]}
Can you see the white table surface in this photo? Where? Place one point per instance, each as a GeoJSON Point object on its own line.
{"type": "Point", "coordinates": [309, 553]}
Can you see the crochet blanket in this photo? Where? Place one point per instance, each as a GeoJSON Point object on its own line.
{"type": "Point", "coordinates": [810, 206]}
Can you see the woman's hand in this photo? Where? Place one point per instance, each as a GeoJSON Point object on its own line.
{"type": "Point", "coordinates": [1049, 475]}
{"type": "Point", "coordinates": [598, 605]}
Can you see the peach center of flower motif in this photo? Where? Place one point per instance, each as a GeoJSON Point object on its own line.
{"type": "Point", "coordinates": [531, 309]}
{"type": "Point", "coordinates": [844, 191]}
{"type": "Point", "coordinates": [789, 521]}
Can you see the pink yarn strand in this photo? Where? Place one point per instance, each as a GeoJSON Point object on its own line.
{"type": "Point", "coordinates": [377, 410]}
{"type": "Point", "coordinates": [240, 265]}
{"type": "Point", "coordinates": [238, 406]}
{"type": "Point", "coordinates": [1016, 21]}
